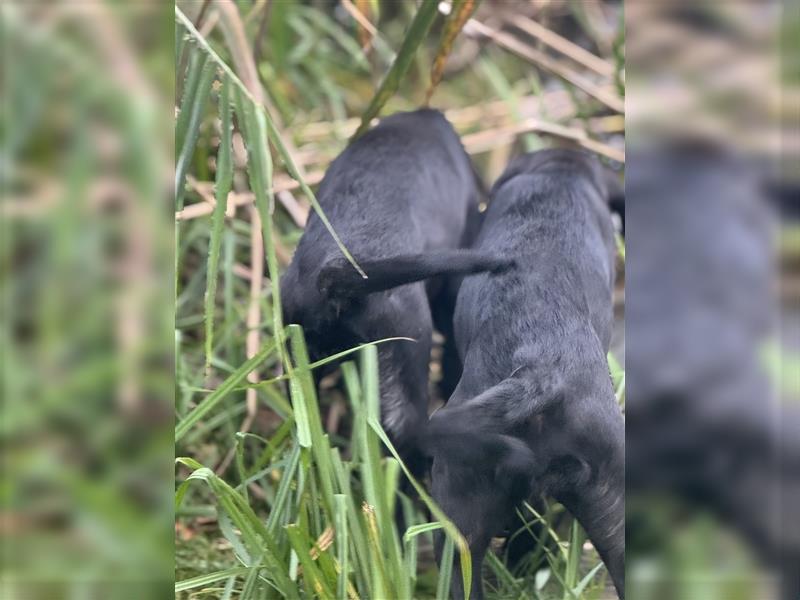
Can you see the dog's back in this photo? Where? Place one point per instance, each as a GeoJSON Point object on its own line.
{"type": "Point", "coordinates": [534, 340]}
{"type": "Point", "coordinates": [407, 186]}
{"type": "Point", "coordinates": [548, 212]}
{"type": "Point", "coordinates": [403, 187]}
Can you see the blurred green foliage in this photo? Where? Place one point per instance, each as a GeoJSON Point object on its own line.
{"type": "Point", "coordinates": [87, 380]}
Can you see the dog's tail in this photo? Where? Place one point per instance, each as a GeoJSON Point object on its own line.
{"type": "Point", "coordinates": [338, 279]}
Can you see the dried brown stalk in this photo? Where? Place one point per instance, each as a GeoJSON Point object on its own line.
{"type": "Point", "coordinates": [254, 310]}
{"type": "Point", "coordinates": [513, 44]}
{"type": "Point", "coordinates": [563, 45]}
{"type": "Point", "coordinates": [280, 183]}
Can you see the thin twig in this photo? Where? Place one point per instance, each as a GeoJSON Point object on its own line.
{"type": "Point", "coordinates": [298, 212]}
{"type": "Point", "coordinates": [262, 32]}
{"type": "Point", "coordinates": [254, 311]}
{"type": "Point", "coordinates": [557, 104]}
{"type": "Point", "coordinates": [491, 138]}
{"type": "Point", "coordinates": [563, 45]}
{"type": "Point", "coordinates": [202, 14]}
{"type": "Point", "coordinates": [474, 143]}
{"type": "Point", "coordinates": [280, 184]}
{"type": "Point", "coordinates": [511, 43]}
{"type": "Point", "coordinates": [362, 20]}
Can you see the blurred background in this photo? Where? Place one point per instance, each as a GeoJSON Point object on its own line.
{"type": "Point", "coordinates": [87, 350]}
{"type": "Point", "coordinates": [713, 420]}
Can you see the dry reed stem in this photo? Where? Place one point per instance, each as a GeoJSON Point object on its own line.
{"type": "Point", "coordinates": [362, 20]}
{"type": "Point", "coordinates": [254, 310]}
{"type": "Point", "coordinates": [513, 44]}
{"type": "Point", "coordinates": [298, 212]}
{"type": "Point", "coordinates": [245, 66]}
{"type": "Point", "coordinates": [475, 143]}
{"type": "Point", "coordinates": [486, 140]}
{"type": "Point", "coordinates": [557, 102]}
{"type": "Point", "coordinates": [235, 199]}
{"type": "Point", "coordinates": [563, 45]}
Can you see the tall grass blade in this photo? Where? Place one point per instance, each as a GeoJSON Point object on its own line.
{"type": "Point", "coordinates": [576, 540]}
{"type": "Point", "coordinates": [300, 413]}
{"type": "Point", "coordinates": [356, 533]}
{"type": "Point", "coordinates": [311, 573]}
{"type": "Point", "coordinates": [380, 483]}
{"type": "Point", "coordinates": [417, 31]}
{"type": "Point", "coordinates": [180, 42]}
{"type": "Point", "coordinates": [226, 387]}
{"type": "Point", "coordinates": [578, 590]}
{"type": "Point", "coordinates": [504, 576]}
{"type": "Point", "coordinates": [194, 102]}
{"type": "Point", "coordinates": [460, 12]}
{"type": "Point", "coordinates": [197, 61]}
{"type": "Point", "coordinates": [342, 549]}
{"type": "Point", "coordinates": [320, 445]}
{"type": "Point", "coordinates": [223, 186]}
{"type": "Point", "coordinates": [259, 168]}
{"type": "Point", "coordinates": [377, 567]}
{"type": "Point", "coordinates": [325, 361]}
{"type": "Point", "coordinates": [411, 547]}
{"type": "Point", "coordinates": [391, 479]}
{"type": "Point", "coordinates": [272, 132]}
{"type": "Point", "coordinates": [451, 530]}
{"type": "Point", "coordinates": [253, 532]}
{"type": "Point", "coordinates": [202, 580]}
{"type": "Point", "coordinates": [251, 585]}
{"type": "Point", "coordinates": [445, 570]}
{"type": "Point", "coordinates": [416, 530]}
{"type": "Point", "coordinates": [279, 507]}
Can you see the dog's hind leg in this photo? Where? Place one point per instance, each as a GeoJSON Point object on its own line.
{"type": "Point", "coordinates": [444, 305]}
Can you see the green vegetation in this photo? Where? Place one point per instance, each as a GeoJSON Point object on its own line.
{"type": "Point", "coordinates": [284, 492]}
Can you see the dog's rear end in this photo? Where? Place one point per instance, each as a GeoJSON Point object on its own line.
{"type": "Point", "coordinates": [401, 198]}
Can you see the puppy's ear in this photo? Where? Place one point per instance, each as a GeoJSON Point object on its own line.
{"type": "Point", "coordinates": [517, 467]}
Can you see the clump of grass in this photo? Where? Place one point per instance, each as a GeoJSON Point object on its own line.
{"type": "Point", "coordinates": [330, 530]}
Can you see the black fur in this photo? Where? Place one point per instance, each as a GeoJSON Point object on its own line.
{"type": "Point", "coordinates": [534, 411]}
{"type": "Point", "coordinates": [403, 199]}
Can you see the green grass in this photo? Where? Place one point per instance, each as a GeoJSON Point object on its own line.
{"type": "Point", "coordinates": [293, 502]}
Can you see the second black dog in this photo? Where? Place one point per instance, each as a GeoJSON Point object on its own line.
{"type": "Point", "coordinates": [535, 412]}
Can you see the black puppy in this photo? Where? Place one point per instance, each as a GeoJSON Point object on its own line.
{"type": "Point", "coordinates": [403, 198]}
{"type": "Point", "coordinates": [534, 411]}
